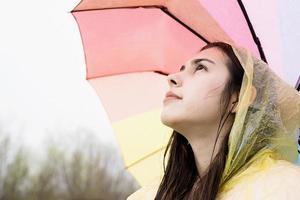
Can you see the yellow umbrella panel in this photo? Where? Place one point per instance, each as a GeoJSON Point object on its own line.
{"type": "Point", "coordinates": [133, 102]}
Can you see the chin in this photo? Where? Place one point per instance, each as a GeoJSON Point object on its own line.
{"type": "Point", "coordinates": [169, 120]}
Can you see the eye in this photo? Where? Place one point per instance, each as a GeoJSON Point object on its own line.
{"type": "Point", "coordinates": [200, 66]}
{"type": "Point", "coordinates": [182, 68]}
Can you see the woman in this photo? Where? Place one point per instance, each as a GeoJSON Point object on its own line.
{"type": "Point", "coordinates": [235, 126]}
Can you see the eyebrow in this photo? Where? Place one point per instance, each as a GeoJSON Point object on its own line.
{"type": "Point", "coordinates": [197, 60]}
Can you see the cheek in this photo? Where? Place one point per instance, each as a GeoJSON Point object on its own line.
{"type": "Point", "coordinates": [215, 90]}
{"type": "Point", "coordinates": [204, 97]}
{"type": "Point", "coordinates": [204, 91]}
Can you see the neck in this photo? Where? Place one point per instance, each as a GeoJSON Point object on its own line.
{"type": "Point", "coordinates": [202, 143]}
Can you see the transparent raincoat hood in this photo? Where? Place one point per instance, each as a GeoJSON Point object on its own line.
{"type": "Point", "coordinates": [265, 130]}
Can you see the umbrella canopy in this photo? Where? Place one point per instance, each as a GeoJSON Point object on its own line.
{"type": "Point", "coordinates": [129, 48]}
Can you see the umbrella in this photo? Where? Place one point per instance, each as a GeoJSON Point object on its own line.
{"type": "Point", "coordinates": [131, 45]}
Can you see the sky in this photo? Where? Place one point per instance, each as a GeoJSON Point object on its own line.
{"type": "Point", "coordinates": [42, 68]}
{"type": "Point", "coordinates": [42, 75]}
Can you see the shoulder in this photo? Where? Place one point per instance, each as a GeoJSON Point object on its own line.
{"type": "Point", "coordinates": [147, 192]}
{"type": "Point", "coordinates": [279, 182]}
{"type": "Point", "coordinates": [283, 173]}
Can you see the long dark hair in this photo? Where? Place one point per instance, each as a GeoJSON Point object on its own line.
{"type": "Point", "coordinates": [181, 179]}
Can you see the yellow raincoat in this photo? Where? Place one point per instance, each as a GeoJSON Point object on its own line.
{"type": "Point", "coordinates": [262, 142]}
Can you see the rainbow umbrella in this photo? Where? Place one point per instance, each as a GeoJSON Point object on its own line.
{"type": "Point", "coordinates": [129, 48]}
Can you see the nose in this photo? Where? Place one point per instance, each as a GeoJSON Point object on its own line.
{"type": "Point", "coordinates": [173, 80]}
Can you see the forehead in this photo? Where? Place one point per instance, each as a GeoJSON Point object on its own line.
{"type": "Point", "coordinates": [214, 54]}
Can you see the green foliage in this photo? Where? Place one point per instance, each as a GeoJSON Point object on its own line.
{"type": "Point", "coordinates": [83, 175]}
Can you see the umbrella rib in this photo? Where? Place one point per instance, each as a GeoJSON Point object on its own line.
{"type": "Point", "coordinates": [145, 157]}
{"type": "Point", "coordinates": [120, 7]}
{"type": "Point", "coordinates": [254, 36]}
{"type": "Point", "coordinates": [166, 11]}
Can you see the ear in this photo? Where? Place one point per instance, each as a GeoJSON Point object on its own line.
{"type": "Point", "coordinates": [252, 98]}
{"type": "Point", "coordinates": [253, 95]}
{"type": "Point", "coordinates": [234, 102]}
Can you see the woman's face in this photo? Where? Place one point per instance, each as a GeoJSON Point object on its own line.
{"type": "Point", "coordinates": [199, 83]}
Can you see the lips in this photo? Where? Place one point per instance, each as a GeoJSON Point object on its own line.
{"type": "Point", "coordinates": [170, 95]}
